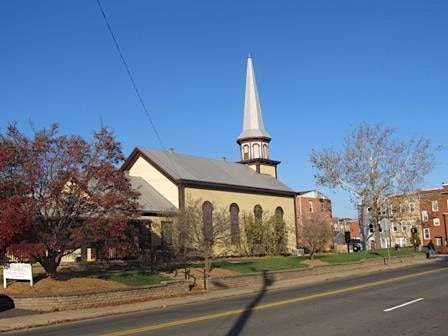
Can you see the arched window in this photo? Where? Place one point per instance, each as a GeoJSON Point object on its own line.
{"type": "Point", "coordinates": [207, 221]}
{"type": "Point", "coordinates": [256, 150]}
{"type": "Point", "coordinates": [234, 223]}
{"type": "Point", "coordinates": [279, 213]}
{"type": "Point", "coordinates": [265, 151]}
{"type": "Point", "coordinates": [245, 152]}
{"type": "Point", "coordinates": [258, 213]}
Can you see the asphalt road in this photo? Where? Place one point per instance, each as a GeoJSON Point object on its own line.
{"type": "Point", "coordinates": [408, 301]}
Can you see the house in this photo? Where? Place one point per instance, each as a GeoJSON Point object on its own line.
{"type": "Point", "coordinates": [311, 204]}
{"type": "Point", "coordinates": [169, 181]}
{"type": "Point", "coordinates": [434, 211]}
{"type": "Point", "coordinates": [400, 217]}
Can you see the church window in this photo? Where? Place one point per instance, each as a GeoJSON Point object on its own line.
{"type": "Point", "coordinates": [279, 213]}
{"type": "Point", "coordinates": [207, 221]}
{"type": "Point", "coordinates": [234, 224]}
{"type": "Point", "coordinates": [256, 149]}
{"type": "Point", "coordinates": [246, 152]}
{"type": "Point", "coordinates": [258, 213]}
{"type": "Point", "coordinates": [265, 151]}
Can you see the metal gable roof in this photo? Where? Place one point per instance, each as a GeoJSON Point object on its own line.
{"type": "Point", "coordinates": [191, 168]}
{"type": "Point", "coordinates": [150, 199]}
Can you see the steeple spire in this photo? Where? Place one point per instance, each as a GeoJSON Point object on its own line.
{"type": "Point", "coordinates": [253, 126]}
{"type": "Point", "coordinates": [254, 140]}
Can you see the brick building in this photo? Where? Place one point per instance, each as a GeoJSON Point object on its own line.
{"type": "Point", "coordinates": [311, 203]}
{"type": "Point", "coordinates": [434, 213]}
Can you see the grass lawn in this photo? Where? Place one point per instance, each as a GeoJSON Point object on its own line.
{"type": "Point", "coordinates": [358, 256]}
{"type": "Point", "coordinates": [137, 278]}
{"type": "Point", "coordinates": [249, 265]}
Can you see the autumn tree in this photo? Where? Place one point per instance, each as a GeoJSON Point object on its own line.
{"type": "Point", "coordinates": [58, 193]}
{"type": "Point", "coordinates": [315, 234]}
{"type": "Point", "coordinates": [14, 205]}
{"type": "Point", "coordinates": [372, 166]}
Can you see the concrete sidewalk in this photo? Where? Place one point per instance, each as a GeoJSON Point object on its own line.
{"type": "Point", "coordinates": [43, 319]}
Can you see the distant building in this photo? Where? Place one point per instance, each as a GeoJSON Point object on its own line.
{"type": "Point", "coordinates": [400, 217]}
{"type": "Point", "coordinates": [340, 227]}
{"type": "Point", "coordinates": [433, 215]}
{"type": "Point", "coordinates": [347, 224]}
{"type": "Point", "coordinates": [311, 203]}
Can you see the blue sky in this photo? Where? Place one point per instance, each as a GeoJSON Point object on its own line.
{"type": "Point", "coordinates": [322, 67]}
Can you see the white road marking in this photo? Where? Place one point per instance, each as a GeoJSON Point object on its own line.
{"type": "Point", "coordinates": [402, 305]}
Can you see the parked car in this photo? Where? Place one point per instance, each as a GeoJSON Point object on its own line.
{"type": "Point", "coordinates": [356, 245]}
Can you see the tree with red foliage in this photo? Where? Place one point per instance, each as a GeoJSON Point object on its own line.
{"type": "Point", "coordinates": [58, 193]}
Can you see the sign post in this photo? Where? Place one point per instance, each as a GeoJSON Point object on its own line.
{"type": "Point", "coordinates": [17, 271]}
{"type": "Point", "coordinates": [347, 240]}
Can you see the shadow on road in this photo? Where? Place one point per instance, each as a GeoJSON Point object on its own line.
{"type": "Point", "coordinates": [6, 303]}
{"type": "Point", "coordinates": [238, 326]}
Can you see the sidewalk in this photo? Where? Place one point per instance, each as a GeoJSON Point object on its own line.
{"type": "Point", "coordinates": [44, 319]}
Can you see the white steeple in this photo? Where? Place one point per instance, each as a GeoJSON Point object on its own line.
{"type": "Point", "coordinates": [253, 126]}
{"type": "Point", "coordinates": [254, 140]}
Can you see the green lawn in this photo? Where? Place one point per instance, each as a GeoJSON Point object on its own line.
{"type": "Point", "coordinates": [137, 278]}
{"type": "Point", "coordinates": [358, 256]}
{"type": "Point", "coordinates": [250, 265]}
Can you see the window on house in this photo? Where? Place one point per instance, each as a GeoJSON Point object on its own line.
{"type": "Point", "coordinates": [322, 206]}
{"type": "Point", "coordinates": [404, 228]}
{"type": "Point", "coordinates": [207, 221]}
{"type": "Point", "coordinates": [234, 224]}
{"type": "Point", "coordinates": [436, 222]}
{"type": "Point", "coordinates": [412, 207]}
{"type": "Point", "coordinates": [310, 206]}
{"type": "Point", "coordinates": [395, 228]}
{"type": "Point", "coordinates": [435, 206]}
{"type": "Point", "coordinates": [426, 233]}
{"type": "Point", "coordinates": [424, 215]}
{"type": "Point", "coordinates": [439, 241]}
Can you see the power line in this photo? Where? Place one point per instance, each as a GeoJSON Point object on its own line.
{"type": "Point", "coordinates": [134, 85]}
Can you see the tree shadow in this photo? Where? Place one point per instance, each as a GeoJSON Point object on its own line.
{"type": "Point", "coordinates": [6, 303]}
{"type": "Point", "coordinates": [238, 326]}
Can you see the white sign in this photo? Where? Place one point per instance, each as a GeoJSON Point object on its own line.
{"type": "Point", "coordinates": [17, 271]}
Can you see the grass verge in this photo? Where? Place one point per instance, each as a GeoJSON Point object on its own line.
{"type": "Point", "coordinates": [250, 265]}
{"type": "Point", "coordinates": [137, 278]}
{"type": "Point", "coordinates": [260, 264]}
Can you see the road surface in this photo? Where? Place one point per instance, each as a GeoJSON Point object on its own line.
{"type": "Point", "coordinates": [407, 301]}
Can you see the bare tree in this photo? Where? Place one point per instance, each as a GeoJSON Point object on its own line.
{"type": "Point", "coordinates": [316, 233]}
{"type": "Point", "coordinates": [374, 165]}
{"type": "Point", "coordinates": [201, 231]}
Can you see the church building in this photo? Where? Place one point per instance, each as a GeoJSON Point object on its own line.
{"type": "Point", "coordinates": [168, 181]}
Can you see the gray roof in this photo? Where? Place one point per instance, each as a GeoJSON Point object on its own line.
{"type": "Point", "coordinates": [198, 169]}
{"type": "Point", "coordinates": [150, 199]}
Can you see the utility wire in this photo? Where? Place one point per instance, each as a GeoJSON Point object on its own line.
{"type": "Point", "coordinates": [134, 85]}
